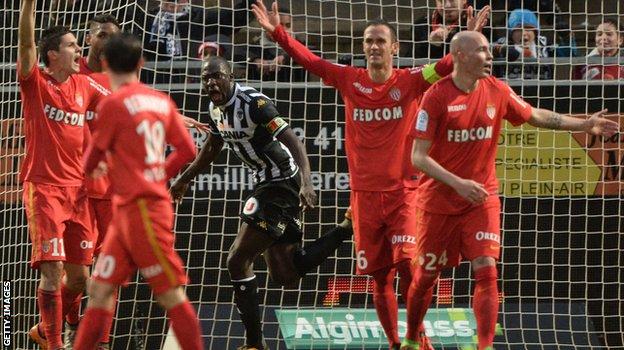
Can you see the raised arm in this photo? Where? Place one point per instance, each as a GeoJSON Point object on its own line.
{"type": "Point", "coordinates": [206, 156]}
{"type": "Point", "coordinates": [468, 189]}
{"type": "Point", "coordinates": [594, 125]}
{"type": "Point", "coordinates": [27, 50]}
{"type": "Point", "coordinates": [270, 22]}
{"type": "Point", "coordinates": [307, 196]}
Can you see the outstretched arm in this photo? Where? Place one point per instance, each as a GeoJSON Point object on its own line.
{"type": "Point", "coordinates": [595, 125]}
{"type": "Point", "coordinates": [307, 196]}
{"type": "Point", "coordinates": [270, 22]}
{"type": "Point", "coordinates": [27, 51]}
{"type": "Point", "coordinates": [206, 156]}
{"type": "Point", "coordinates": [470, 190]}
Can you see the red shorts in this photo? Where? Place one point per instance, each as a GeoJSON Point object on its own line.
{"type": "Point", "coordinates": [445, 239]}
{"type": "Point", "coordinates": [59, 224]}
{"type": "Point", "coordinates": [384, 228]}
{"type": "Point", "coordinates": [102, 215]}
{"type": "Point", "coordinates": [141, 236]}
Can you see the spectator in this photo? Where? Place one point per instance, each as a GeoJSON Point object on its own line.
{"type": "Point", "coordinates": [524, 43]}
{"type": "Point", "coordinates": [175, 29]}
{"type": "Point", "coordinates": [268, 61]}
{"type": "Point", "coordinates": [209, 49]}
{"type": "Point", "coordinates": [609, 37]}
{"type": "Point", "coordinates": [433, 35]}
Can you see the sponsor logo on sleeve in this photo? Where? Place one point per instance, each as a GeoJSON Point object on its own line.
{"type": "Point", "coordinates": [422, 121]}
{"type": "Point", "coordinates": [261, 102]}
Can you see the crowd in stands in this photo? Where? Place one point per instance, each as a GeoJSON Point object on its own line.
{"type": "Point", "coordinates": [527, 36]}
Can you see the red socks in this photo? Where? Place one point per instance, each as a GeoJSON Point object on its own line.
{"type": "Point", "coordinates": [71, 301]}
{"type": "Point", "coordinates": [485, 304]}
{"type": "Point", "coordinates": [386, 304]}
{"type": "Point", "coordinates": [92, 328]}
{"type": "Point", "coordinates": [185, 324]}
{"type": "Point", "coordinates": [419, 298]}
{"type": "Point", "coordinates": [51, 312]}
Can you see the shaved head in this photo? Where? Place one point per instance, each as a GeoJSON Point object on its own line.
{"type": "Point", "coordinates": [471, 55]}
{"type": "Point", "coordinates": [466, 41]}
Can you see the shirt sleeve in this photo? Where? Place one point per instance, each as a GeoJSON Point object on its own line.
{"type": "Point", "coordinates": [429, 74]}
{"type": "Point", "coordinates": [264, 113]}
{"type": "Point", "coordinates": [106, 123]}
{"type": "Point", "coordinates": [518, 111]}
{"type": "Point", "coordinates": [331, 73]}
{"type": "Point", "coordinates": [96, 92]}
{"type": "Point", "coordinates": [429, 116]}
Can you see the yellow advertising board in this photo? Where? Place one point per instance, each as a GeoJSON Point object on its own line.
{"type": "Point", "coordinates": [534, 162]}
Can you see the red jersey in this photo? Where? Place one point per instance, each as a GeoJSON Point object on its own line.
{"type": "Point", "coordinates": [134, 124]}
{"type": "Point", "coordinates": [598, 72]}
{"type": "Point", "coordinates": [96, 188]}
{"type": "Point", "coordinates": [54, 116]}
{"type": "Point", "coordinates": [378, 116]}
{"type": "Point", "coordinates": [464, 130]}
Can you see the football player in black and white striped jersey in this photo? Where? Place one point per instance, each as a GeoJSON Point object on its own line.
{"type": "Point", "coordinates": [254, 130]}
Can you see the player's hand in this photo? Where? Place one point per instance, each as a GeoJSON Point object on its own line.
{"type": "Point", "coordinates": [307, 196]}
{"type": "Point", "coordinates": [438, 36]}
{"type": "Point", "coordinates": [100, 170]}
{"type": "Point", "coordinates": [268, 21]}
{"type": "Point", "coordinates": [479, 21]}
{"type": "Point", "coordinates": [472, 191]}
{"type": "Point", "coordinates": [190, 123]}
{"type": "Point", "coordinates": [177, 190]}
{"type": "Point", "coordinates": [597, 125]}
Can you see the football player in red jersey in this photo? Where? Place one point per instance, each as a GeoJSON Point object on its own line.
{"type": "Point", "coordinates": [455, 140]}
{"type": "Point", "coordinates": [134, 125]}
{"type": "Point", "coordinates": [380, 108]}
{"type": "Point", "coordinates": [55, 103]}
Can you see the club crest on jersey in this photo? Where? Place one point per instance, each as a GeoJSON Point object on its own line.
{"type": "Point", "coordinates": [395, 94]}
{"type": "Point", "coordinates": [79, 100]}
{"type": "Point", "coordinates": [490, 110]}
{"type": "Point", "coordinates": [251, 206]}
{"type": "Point", "coordinates": [261, 103]}
{"type": "Point", "coordinates": [240, 115]}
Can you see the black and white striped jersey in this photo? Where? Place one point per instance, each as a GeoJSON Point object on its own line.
{"type": "Point", "coordinates": [249, 124]}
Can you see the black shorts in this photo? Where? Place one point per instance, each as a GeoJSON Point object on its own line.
{"type": "Point", "coordinates": [273, 208]}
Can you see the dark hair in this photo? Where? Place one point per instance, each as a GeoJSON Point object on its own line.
{"type": "Point", "coordinates": [51, 40]}
{"type": "Point", "coordinates": [614, 21]}
{"type": "Point", "coordinates": [123, 51]}
{"type": "Point", "coordinates": [104, 18]}
{"type": "Point", "coordinates": [221, 61]}
{"type": "Point", "coordinates": [382, 22]}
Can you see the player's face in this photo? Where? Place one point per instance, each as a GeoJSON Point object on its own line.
{"type": "Point", "coordinates": [379, 48]}
{"type": "Point", "coordinates": [100, 33]}
{"type": "Point", "coordinates": [608, 39]}
{"type": "Point", "coordinates": [217, 82]}
{"type": "Point", "coordinates": [478, 59]}
{"type": "Point", "coordinates": [68, 55]}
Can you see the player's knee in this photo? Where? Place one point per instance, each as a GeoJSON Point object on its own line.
{"type": "Point", "coordinates": [383, 279]}
{"type": "Point", "coordinates": [424, 279]}
{"type": "Point", "coordinates": [100, 294]}
{"type": "Point", "coordinates": [77, 281]}
{"type": "Point", "coordinates": [171, 298]}
{"type": "Point", "coordinates": [237, 263]}
{"type": "Point", "coordinates": [481, 262]}
{"type": "Point", "coordinates": [51, 274]}
{"type": "Point", "coordinates": [284, 278]}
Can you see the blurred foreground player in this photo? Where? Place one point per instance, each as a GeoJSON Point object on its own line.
{"type": "Point", "coordinates": [55, 104]}
{"type": "Point", "coordinates": [456, 134]}
{"type": "Point", "coordinates": [134, 125]}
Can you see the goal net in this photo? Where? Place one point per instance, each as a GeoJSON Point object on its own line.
{"type": "Point", "coordinates": [561, 276]}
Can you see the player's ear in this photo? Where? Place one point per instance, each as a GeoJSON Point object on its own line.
{"type": "Point", "coordinates": [395, 48]}
{"type": "Point", "coordinates": [140, 64]}
{"type": "Point", "coordinates": [88, 39]}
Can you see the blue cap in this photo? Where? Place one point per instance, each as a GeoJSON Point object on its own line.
{"type": "Point", "coordinates": [521, 17]}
